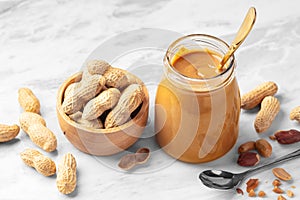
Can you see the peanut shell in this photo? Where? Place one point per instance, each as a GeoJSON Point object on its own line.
{"type": "Point", "coordinates": [28, 101]}
{"type": "Point", "coordinates": [128, 161]}
{"type": "Point", "coordinates": [104, 101]}
{"type": "Point", "coordinates": [28, 118]}
{"type": "Point", "coordinates": [130, 99]}
{"type": "Point", "coordinates": [116, 78]}
{"type": "Point", "coordinates": [8, 133]}
{"type": "Point", "coordinates": [132, 79]}
{"type": "Point", "coordinates": [70, 90]}
{"type": "Point", "coordinates": [270, 107]}
{"type": "Point", "coordinates": [84, 91]}
{"type": "Point", "coordinates": [66, 175]}
{"type": "Point", "coordinates": [42, 137]}
{"type": "Point", "coordinates": [142, 155]}
{"type": "Point", "coordinates": [35, 126]}
{"type": "Point", "coordinates": [41, 163]}
{"type": "Point", "coordinates": [97, 67]}
{"type": "Point", "coordinates": [255, 96]}
{"type": "Point", "coordinates": [295, 114]}
{"type": "Point", "coordinates": [95, 123]}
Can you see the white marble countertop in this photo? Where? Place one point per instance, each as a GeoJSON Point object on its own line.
{"type": "Point", "coordinates": [43, 42]}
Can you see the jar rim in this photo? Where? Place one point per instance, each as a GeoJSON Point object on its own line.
{"type": "Point", "coordinates": [198, 36]}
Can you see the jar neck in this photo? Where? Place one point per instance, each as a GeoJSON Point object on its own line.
{"type": "Point", "coordinates": [198, 42]}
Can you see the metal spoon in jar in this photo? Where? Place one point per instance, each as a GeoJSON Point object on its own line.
{"type": "Point", "coordinates": [240, 36]}
{"type": "Point", "coordinates": [219, 179]}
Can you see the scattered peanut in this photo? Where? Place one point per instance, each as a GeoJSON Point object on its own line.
{"type": "Point", "coordinates": [252, 184]}
{"type": "Point", "coordinates": [247, 146]}
{"type": "Point", "coordinates": [272, 137]}
{"type": "Point", "coordinates": [130, 99]}
{"type": "Point", "coordinates": [269, 109]}
{"type": "Point", "coordinates": [255, 96]}
{"type": "Point", "coordinates": [287, 137]}
{"type": "Point", "coordinates": [95, 123]}
{"type": "Point", "coordinates": [295, 114]}
{"type": "Point", "coordinates": [290, 193]}
{"type": "Point", "coordinates": [280, 197]}
{"type": "Point", "coordinates": [252, 193]}
{"type": "Point", "coordinates": [35, 126]}
{"type": "Point", "coordinates": [104, 101]}
{"type": "Point", "coordinates": [263, 147]}
{"type": "Point", "coordinates": [130, 160]}
{"type": "Point", "coordinates": [66, 175]}
{"type": "Point", "coordinates": [28, 101]}
{"type": "Point", "coordinates": [248, 159]}
{"type": "Point", "coordinates": [41, 163]}
{"type": "Point", "coordinates": [7, 133]}
{"type": "Point", "coordinates": [27, 119]}
{"type": "Point", "coordinates": [84, 91]}
{"type": "Point", "coordinates": [116, 78]}
{"type": "Point", "coordinates": [276, 182]}
{"type": "Point", "coordinates": [261, 194]}
{"type": "Point", "coordinates": [278, 190]}
{"type": "Point", "coordinates": [281, 174]}
{"type": "Point", "coordinates": [239, 191]}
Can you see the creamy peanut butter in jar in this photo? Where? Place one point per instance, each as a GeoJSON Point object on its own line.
{"type": "Point", "coordinates": [197, 106]}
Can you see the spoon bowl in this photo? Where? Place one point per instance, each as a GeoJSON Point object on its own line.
{"type": "Point", "coordinates": [224, 180]}
{"type": "Point", "coordinates": [219, 179]}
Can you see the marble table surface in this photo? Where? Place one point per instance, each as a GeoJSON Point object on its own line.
{"type": "Point", "coordinates": [43, 42]}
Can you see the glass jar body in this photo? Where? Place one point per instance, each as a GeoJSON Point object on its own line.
{"type": "Point", "coordinates": [196, 120]}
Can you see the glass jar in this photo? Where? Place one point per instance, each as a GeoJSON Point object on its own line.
{"type": "Point", "coordinates": [197, 120]}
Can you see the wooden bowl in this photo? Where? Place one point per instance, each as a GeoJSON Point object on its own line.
{"type": "Point", "coordinates": [101, 142]}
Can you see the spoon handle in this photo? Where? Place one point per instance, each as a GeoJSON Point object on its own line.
{"type": "Point", "coordinates": [240, 36]}
{"type": "Point", "coordinates": [290, 156]}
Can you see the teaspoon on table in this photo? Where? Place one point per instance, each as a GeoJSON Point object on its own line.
{"type": "Point", "coordinates": [240, 36]}
{"type": "Point", "coordinates": [219, 179]}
